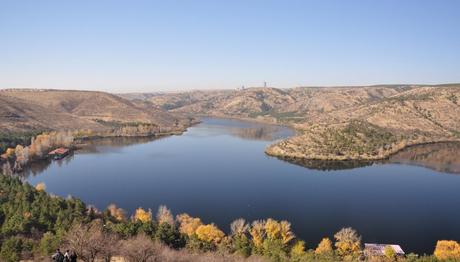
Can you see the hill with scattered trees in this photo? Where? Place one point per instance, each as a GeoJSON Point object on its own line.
{"type": "Point", "coordinates": [25, 113]}
{"type": "Point", "coordinates": [334, 123]}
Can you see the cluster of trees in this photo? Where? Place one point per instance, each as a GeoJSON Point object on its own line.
{"type": "Point", "coordinates": [33, 224]}
{"type": "Point", "coordinates": [8, 139]}
{"type": "Point", "coordinates": [358, 137]}
{"type": "Point", "coordinates": [38, 148]}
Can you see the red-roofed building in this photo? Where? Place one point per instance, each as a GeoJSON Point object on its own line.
{"type": "Point", "coordinates": [59, 153]}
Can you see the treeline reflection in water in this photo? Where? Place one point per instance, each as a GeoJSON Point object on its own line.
{"type": "Point", "coordinates": [90, 146]}
{"type": "Point", "coordinates": [442, 157]}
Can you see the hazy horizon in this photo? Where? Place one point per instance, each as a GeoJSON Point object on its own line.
{"type": "Point", "coordinates": [150, 46]}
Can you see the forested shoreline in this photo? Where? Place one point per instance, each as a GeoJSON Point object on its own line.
{"type": "Point", "coordinates": [34, 223]}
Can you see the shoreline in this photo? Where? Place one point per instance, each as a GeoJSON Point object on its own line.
{"type": "Point", "coordinates": [273, 152]}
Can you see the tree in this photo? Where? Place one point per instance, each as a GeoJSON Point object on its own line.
{"type": "Point", "coordinates": [139, 249]}
{"type": "Point", "coordinates": [40, 186]}
{"type": "Point", "coordinates": [286, 234]}
{"type": "Point", "coordinates": [117, 213]}
{"type": "Point", "coordinates": [188, 224]}
{"type": "Point", "coordinates": [11, 249]}
{"type": "Point", "coordinates": [210, 233]}
{"type": "Point", "coordinates": [239, 227]}
{"type": "Point", "coordinates": [240, 242]}
{"type": "Point", "coordinates": [257, 232]}
{"type": "Point", "coordinates": [390, 253]}
{"type": "Point", "coordinates": [298, 250]}
{"type": "Point", "coordinates": [169, 235]}
{"type": "Point", "coordinates": [87, 240]}
{"type": "Point", "coordinates": [447, 250]}
{"type": "Point", "coordinates": [48, 243]}
{"type": "Point", "coordinates": [164, 215]}
{"type": "Point", "coordinates": [348, 242]}
{"type": "Point", "coordinates": [142, 215]}
{"type": "Point", "coordinates": [324, 247]}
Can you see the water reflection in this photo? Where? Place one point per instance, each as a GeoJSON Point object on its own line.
{"type": "Point", "coordinates": [328, 165]}
{"type": "Point", "coordinates": [442, 157]}
{"type": "Point", "coordinates": [89, 146]}
{"type": "Point", "coordinates": [104, 145]}
{"type": "Point", "coordinates": [265, 133]}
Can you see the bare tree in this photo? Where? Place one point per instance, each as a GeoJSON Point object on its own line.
{"type": "Point", "coordinates": [139, 249]}
{"type": "Point", "coordinates": [164, 215]}
{"type": "Point", "coordinates": [239, 227]}
{"type": "Point", "coordinates": [87, 240]}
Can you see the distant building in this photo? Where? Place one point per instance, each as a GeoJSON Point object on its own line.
{"type": "Point", "coordinates": [375, 250]}
{"type": "Point", "coordinates": [59, 153]}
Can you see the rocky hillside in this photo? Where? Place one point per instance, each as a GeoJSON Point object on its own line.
{"type": "Point", "coordinates": [335, 123]}
{"type": "Point", "coordinates": [26, 110]}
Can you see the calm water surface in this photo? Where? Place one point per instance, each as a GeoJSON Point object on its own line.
{"type": "Point", "coordinates": [218, 171]}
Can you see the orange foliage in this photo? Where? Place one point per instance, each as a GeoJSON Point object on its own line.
{"type": "Point", "coordinates": [209, 233]}
{"type": "Point", "coordinates": [447, 250]}
{"type": "Point", "coordinates": [143, 215]}
{"type": "Point", "coordinates": [187, 224]}
{"type": "Point", "coordinates": [324, 247]}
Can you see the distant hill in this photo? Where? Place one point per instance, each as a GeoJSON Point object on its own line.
{"type": "Point", "coordinates": [335, 123]}
{"type": "Point", "coordinates": [26, 110]}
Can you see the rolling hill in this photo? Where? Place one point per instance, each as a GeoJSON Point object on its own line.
{"type": "Point", "coordinates": [26, 110]}
{"type": "Point", "coordinates": [334, 123]}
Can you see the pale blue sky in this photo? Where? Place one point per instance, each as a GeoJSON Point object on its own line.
{"type": "Point", "coordinates": [124, 46]}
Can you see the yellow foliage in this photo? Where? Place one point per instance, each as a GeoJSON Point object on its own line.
{"type": "Point", "coordinates": [40, 186]}
{"type": "Point", "coordinates": [390, 253]}
{"type": "Point", "coordinates": [324, 247]}
{"type": "Point", "coordinates": [142, 215]}
{"type": "Point", "coordinates": [257, 232]}
{"type": "Point", "coordinates": [348, 242]}
{"type": "Point", "coordinates": [187, 224]}
{"type": "Point", "coordinates": [286, 234]}
{"type": "Point", "coordinates": [273, 229]}
{"type": "Point", "coordinates": [9, 153]}
{"type": "Point", "coordinates": [447, 250]}
{"type": "Point", "coordinates": [209, 233]}
{"type": "Point", "coordinates": [279, 230]}
{"type": "Point", "coordinates": [298, 249]}
{"type": "Point", "coordinates": [118, 213]}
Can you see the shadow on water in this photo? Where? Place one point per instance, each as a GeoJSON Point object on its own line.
{"type": "Point", "coordinates": [441, 157]}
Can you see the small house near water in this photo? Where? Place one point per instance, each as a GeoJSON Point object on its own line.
{"type": "Point", "coordinates": [59, 153]}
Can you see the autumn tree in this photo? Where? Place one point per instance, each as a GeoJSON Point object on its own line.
{"type": "Point", "coordinates": [164, 215]}
{"type": "Point", "coordinates": [209, 233]}
{"type": "Point", "coordinates": [257, 232]}
{"type": "Point", "coordinates": [390, 253]}
{"type": "Point", "coordinates": [240, 241]}
{"type": "Point", "coordinates": [188, 224]}
{"type": "Point", "coordinates": [142, 215]}
{"type": "Point", "coordinates": [324, 247]}
{"type": "Point", "coordinates": [348, 242]}
{"type": "Point", "coordinates": [298, 249]}
{"type": "Point", "coordinates": [447, 250]}
{"type": "Point", "coordinates": [40, 186]}
{"type": "Point", "coordinates": [118, 213]}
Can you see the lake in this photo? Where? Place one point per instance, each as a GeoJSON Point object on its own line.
{"type": "Point", "coordinates": [218, 171]}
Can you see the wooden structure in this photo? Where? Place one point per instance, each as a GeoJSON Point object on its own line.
{"type": "Point", "coordinates": [59, 153]}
